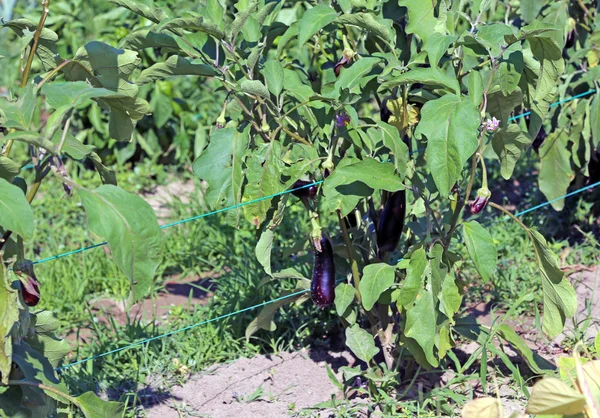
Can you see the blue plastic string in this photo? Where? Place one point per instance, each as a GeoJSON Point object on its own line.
{"type": "Point", "coordinates": [277, 299]}
{"type": "Point", "coordinates": [568, 99]}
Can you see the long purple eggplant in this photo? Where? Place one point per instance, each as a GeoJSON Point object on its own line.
{"type": "Point", "coordinates": [323, 280]}
{"type": "Point", "coordinates": [391, 222]}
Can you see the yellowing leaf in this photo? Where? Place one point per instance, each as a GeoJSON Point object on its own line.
{"type": "Point", "coordinates": [551, 396]}
{"type": "Point", "coordinates": [397, 117]}
{"type": "Point", "coordinates": [481, 408]}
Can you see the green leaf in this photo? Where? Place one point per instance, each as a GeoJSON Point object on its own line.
{"type": "Point", "coordinates": [551, 396]}
{"type": "Point", "coordinates": [130, 227]}
{"type": "Point", "coordinates": [19, 114]}
{"type": "Point", "coordinates": [263, 179]}
{"type": "Point", "coordinates": [241, 18]}
{"type": "Point", "coordinates": [552, 66]}
{"type": "Point", "coordinates": [450, 124]}
{"type": "Point", "coordinates": [595, 118]}
{"type": "Point", "coordinates": [94, 407]}
{"type": "Point", "coordinates": [15, 213]}
{"type": "Point", "coordinates": [107, 175]}
{"type": "Point", "coordinates": [51, 347]}
{"type": "Point", "coordinates": [9, 315]}
{"type": "Point", "coordinates": [415, 277]}
{"type": "Point", "coordinates": [510, 70]}
{"type": "Point", "coordinates": [273, 73]}
{"type": "Point", "coordinates": [194, 24]}
{"type": "Point", "coordinates": [509, 143]}
{"type": "Point", "coordinates": [256, 88]}
{"type": "Point", "coordinates": [436, 47]}
{"type": "Point", "coordinates": [263, 249]}
{"type": "Point", "coordinates": [344, 295]}
{"type": "Point", "coordinates": [421, 324]}
{"type": "Point", "coordinates": [536, 363]}
{"type": "Point", "coordinates": [32, 138]}
{"type": "Point", "coordinates": [476, 87]}
{"type": "Point", "coordinates": [481, 248]}
{"type": "Point", "coordinates": [501, 106]}
{"type": "Point", "coordinates": [560, 301]}
{"type": "Point", "coordinates": [530, 9]}
{"type": "Point", "coordinates": [313, 20]}
{"type": "Point", "coordinates": [428, 76]}
{"type": "Point", "coordinates": [376, 279]}
{"type": "Point", "coordinates": [72, 94]}
{"type": "Point", "coordinates": [421, 18]}
{"type": "Point", "coordinates": [146, 38]}
{"type": "Point", "coordinates": [450, 298]}
{"type": "Point", "coordinates": [8, 169]}
{"type": "Point", "coordinates": [375, 174]}
{"type": "Point", "coordinates": [46, 49]}
{"type": "Point", "coordinates": [556, 172]}
{"type": "Point", "coordinates": [351, 77]}
{"type": "Point", "coordinates": [264, 320]}
{"type": "Point", "coordinates": [174, 65]}
{"type": "Point", "coordinates": [361, 343]}
{"type": "Point", "coordinates": [391, 139]}
{"type": "Point", "coordinates": [153, 14]}
{"type": "Point", "coordinates": [380, 28]}
{"type": "Point", "coordinates": [220, 165]}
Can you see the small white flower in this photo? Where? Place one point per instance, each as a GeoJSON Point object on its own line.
{"type": "Point", "coordinates": [492, 124]}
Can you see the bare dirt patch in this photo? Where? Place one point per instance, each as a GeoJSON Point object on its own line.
{"type": "Point", "coordinates": [161, 198]}
{"type": "Point", "coordinates": [265, 386]}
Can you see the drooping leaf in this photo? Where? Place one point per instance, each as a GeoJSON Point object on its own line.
{"type": "Point", "coordinates": [450, 125]}
{"type": "Point", "coordinates": [510, 70]}
{"type": "Point", "coordinates": [560, 301]}
{"type": "Point", "coordinates": [220, 165]}
{"type": "Point", "coordinates": [8, 168]}
{"type": "Point", "coordinates": [421, 323]}
{"type": "Point", "coordinates": [450, 298]}
{"type": "Point", "coordinates": [18, 114]}
{"type": "Point", "coordinates": [264, 320]}
{"type": "Point", "coordinates": [556, 172]}
{"type": "Point", "coordinates": [501, 106]}
{"type": "Point", "coordinates": [94, 407]}
{"type": "Point", "coordinates": [374, 174]}
{"type": "Point", "coordinates": [174, 65]}
{"type": "Point", "coordinates": [391, 139]}
{"type": "Point", "coordinates": [481, 248]}
{"type": "Point", "coordinates": [263, 249]}
{"type": "Point", "coordinates": [15, 213]}
{"type": "Point", "coordinates": [256, 88]}
{"type": "Point", "coordinates": [361, 343]}
{"type": "Point", "coordinates": [46, 50]}
{"type": "Point", "coordinates": [509, 143]}
{"type": "Point", "coordinates": [481, 408]}
{"type": "Point", "coordinates": [376, 279]}
{"type": "Point", "coordinates": [73, 94]}
{"type": "Point", "coordinates": [536, 363]}
{"type": "Point", "coordinates": [130, 227]}
{"type": "Point", "coordinates": [313, 20]}
{"type": "Point", "coordinates": [551, 396]}
{"type": "Point", "coordinates": [153, 14]}
{"type": "Point", "coordinates": [415, 278]}
{"type": "Point", "coordinates": [241, 20]}
{"type": "Point", "coordinates": [194, 24]}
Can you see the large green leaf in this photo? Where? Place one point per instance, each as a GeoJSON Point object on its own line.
{"type": "Point", "coordinates": [130, 227]}
{"type": "Point", "coordinates": [351, 77]}
{"type": "Point", "coordinates": [220, 165]}
{"type": "Point", "coordinates": [391, 139]}
{"type": "Point", "coordinates": [556, 172]}
{"type": "Point", "coordinates": [15, 213]}
{"type": "Point", "coordinates": [421, 323]}
{"type": "Point", "coordinates": [552, 66]}
{"type": "Point", "coordinates": [73, 94]}
{"type": "Point", "coordinates": [421, 18]}
{"type": "Point", "coordinates": [361, 343]}
{"type": "Point", "coordinates": [509, 143]}
{"type": "Point", "coordinates": [174, 65]}
{"type": "Point", "coordinates": [373, 173]}
{"type": "Point", "coordinates": [481, 248]}
{"type": "Point", "coordinates": [256, 88]}
{"type": "Point", "coordinates": [263, 249]}
{"type": "Point", "coordinates": [450, 125]}
{"type": "Point", "coordinates": [8, 168]}
{"type": "Point", "coordinates": [344, 295]}
{"type": "Point", "coordinates": [313, 20]}
{"type": "Point", "coordinates": [560, 301]}
{"type": "Point", "coordinates": [436, 47]}
{"type": "Point", "coordinates": [94, 407]}
{"type": "Point", "coordinates": [263, 176]}
{"type": "Point", "coordinates": [9, 315]}
{"type": "Point", "coordinates": [376, 279]}
{"type": "Point", "coordinates": [510, 69]}
{"type": "Point", "coordinates": [18, 114]}
{"type": "Point", "coordinates": [501, 106]}
{"type": "Point", "coordinates": [274, 76]}
{"type": "Point", "coordinates": [46, 49]}
{"type": "Point", "coordinates": [153, 14]}
{"type": "Point", "coordinates": [429, 76]}
{"type": "Point", "coordinates": [194, 24]}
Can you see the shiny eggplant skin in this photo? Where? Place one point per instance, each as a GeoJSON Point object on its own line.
{"type": "Point", "coordinates": [322, 288]}
{"type": "Point", "coordinates": [391, 222]}
{"type": "Point", "coordinates": [305, 193]}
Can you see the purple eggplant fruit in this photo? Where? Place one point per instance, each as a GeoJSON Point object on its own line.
{"type": "Point", "coordinates": [391, 222]}
{"type": "Point", "coordinates": [322, 288]}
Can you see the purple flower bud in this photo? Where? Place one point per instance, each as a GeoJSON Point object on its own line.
{"type": "Point", "coordinates": [483, 196]}
{"type": "Point", "coordinates": [342, 119]}
{"type": "Point", "coordinates": [29, 283]}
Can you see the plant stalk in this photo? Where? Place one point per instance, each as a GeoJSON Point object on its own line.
{"type": "Point", "coordinates": [36, 40]}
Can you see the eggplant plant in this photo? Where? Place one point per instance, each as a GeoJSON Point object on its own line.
{"type": "Point", "coordinates": [386, 112]}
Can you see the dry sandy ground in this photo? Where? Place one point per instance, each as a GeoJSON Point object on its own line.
{"type": "Point", "coordinates": [289, 383]}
